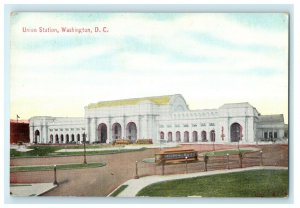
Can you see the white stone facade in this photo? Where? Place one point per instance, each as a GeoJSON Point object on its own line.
{"type": "Point", "coordinates": [163, 117]}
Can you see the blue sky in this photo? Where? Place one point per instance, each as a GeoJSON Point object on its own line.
{"type": "Point", "coordinates": [210, 59]}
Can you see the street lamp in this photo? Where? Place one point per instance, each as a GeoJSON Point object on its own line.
{"type": "Point", "coordinates": [186, 170]}
{"type": "Point", "coordinates": [84, 151]}
{"type": "Point", "coordinates": [261, 159]}
{"type": "Point", "coordinates": [136, 170]}
{"type": "Point", "coordinates": [227, 161]}
{"type": "Point", "coordinates": [55, 180]}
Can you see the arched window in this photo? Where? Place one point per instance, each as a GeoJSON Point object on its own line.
{"type": "Point", "coordinates": [178, 139]}
{"type": "Point", "coordinates": [195, 136]}
{"type": "Point", "coordinates": [212, 136]}
{"type": "Point", "coordinates": [51, 138]}
{"type": "Point", "coordinates": [62, 138]}
{"type": "Point", "coordinates": [162, 135]}
{"type": "Point", "coordinates": [56, 138]}
{"type": "Point", "coordinates": [203, 136]}
{"type": "Point", "coordinates": [78, 137]}
{"type": "Point", "coordinates": [186, 136]}
{"type": "Point", "coordinates": [67, 138]}
{"type": "Point", "coordinates": [169, 136]}
{"type": "Point", "coordinates": [73, 138]}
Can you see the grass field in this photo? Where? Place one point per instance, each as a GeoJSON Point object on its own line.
{"type": "Point", "coordinates": [119, 190]}
{"type": "Point", "coordinates": [40, 151]}
{"type": "Point", "coordinates": [58, 167]}
{"type": "Point", "coordinates": [225, 152]}
{"type": "Point", "coordinates": [254, 183]}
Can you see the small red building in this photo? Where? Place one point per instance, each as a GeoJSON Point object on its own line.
{"type": "Point", "coordinates": [19, 131]}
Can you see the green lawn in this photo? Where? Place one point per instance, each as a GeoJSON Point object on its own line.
{"type": "Point", "coordinates": [58, 167]}
{"type": "Point", "coordinates": [119, 190]}
{"type": "Point", "coordinates": [39, 151]}
{"type": "Point", "coordinates": [19, 185]}
{"type": "Point", "coordinates": [90, 146]}
{"type": "Point", "coordinates": [225, 152]}
{"type": "Point", "coordinates": [254, 183]}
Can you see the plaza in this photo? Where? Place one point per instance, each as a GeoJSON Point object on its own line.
{"type": "Point", "coordinates": [120, 167]}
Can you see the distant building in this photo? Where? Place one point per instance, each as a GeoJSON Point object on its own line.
{"type": "Point", "coordinates": [159, 118]}
{"type": "Point", "coordinates": [19, 131]}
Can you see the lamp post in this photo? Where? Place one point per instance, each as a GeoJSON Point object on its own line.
{"type": "Point", "coordinates": [136, 170]}
{"type": "Point", "coordinates": [261, 159]}
{"type": "Point", "coordinates": [55, 181]}
{"type": "Point", "coordinates": [213, 140]}
{"type": "Point", "coordinates": [227, 161]}
{"type": "Point", "coordinates": [186, 170]}
{"type": "Point", "coordinates": [163, 166]}
{"type": "Point", "coordinates": [84, 151]}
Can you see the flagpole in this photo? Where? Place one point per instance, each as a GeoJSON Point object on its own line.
{"type": "Point", "coordinates": [17, 118]}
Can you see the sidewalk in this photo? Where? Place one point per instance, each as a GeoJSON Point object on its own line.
{"type": "Point", "coordinates": [34, 189]}
{"type": "Point", "coordinates": [135, 185]}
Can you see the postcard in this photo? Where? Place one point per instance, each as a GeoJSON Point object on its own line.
{"type": "Point", "coordinates": [149, 104]}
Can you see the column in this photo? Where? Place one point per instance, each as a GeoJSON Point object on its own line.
{"type": "Point", "coordinates": [45, 134]}
{"type": "Point", "coordinates": [139, 127]}
{"type": "Point", "coordinates": [124, 127]}
{"type": "Point", "coordinates": [147, 127]}
{"type": "Point", "coordinates": [31, 134]}
{"type": "Point", "coordinates": [246, 129]}
{"type": "Point", "coordinates": [109, 131]}
{"type": "Point", "coordinates": [95, 136]}
{"type": "Point", "coordinates": [88, 130]}
{"type": "Point", "coordinates": [228, 129]}
{"type": "Point", "coordinates": [44, 137]}
{"type": "Point", "coordinates": [40, 138]}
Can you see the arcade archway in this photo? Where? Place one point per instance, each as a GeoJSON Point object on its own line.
{"type": "Point", "coordinates": [102, 133]}
{"type": "Point", "coordinates": [116, 131]}
{"type": "Point", "coordinates": [235, 132]}
{"type": "Point", "coordinates": [131, 131]}
{"type": "Point", "coordinates": [36, 136]}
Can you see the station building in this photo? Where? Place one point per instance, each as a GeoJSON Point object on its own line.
{"type": "Point", "coordinates": [159, 118]}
